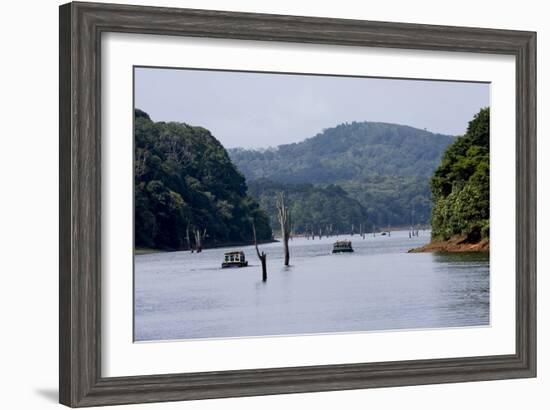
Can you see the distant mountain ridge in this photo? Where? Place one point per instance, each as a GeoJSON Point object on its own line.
{"type": "Point", "coordinates": [348, 151]}
{"type": "Point", "coordinates": [386, 167]}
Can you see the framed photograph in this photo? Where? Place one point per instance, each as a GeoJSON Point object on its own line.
{"type": "Point", "coordinates": [259, 204]}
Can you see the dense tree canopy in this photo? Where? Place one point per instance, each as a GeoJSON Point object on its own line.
{"type": "Point", "coordinates": [184, 180]}
{"type": "Point", "coordinates": [385, 167]}
{"type": "Point", "coordinates": [460, 185]}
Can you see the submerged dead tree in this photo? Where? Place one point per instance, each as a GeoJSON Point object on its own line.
{"type": "Point", "coordinates": [188, 239]}
{"type": "Point", "coordinates": [199, 237]}
{"type": "Point", "coordinates": [283, 214]}
{"type": "Point", "coordinates": [262, 256]}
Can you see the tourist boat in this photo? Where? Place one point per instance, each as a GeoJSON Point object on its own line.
{"type": "Point", "coordinates": [234, 260]}
{"type": "Point", "coordinates": [342, 246]}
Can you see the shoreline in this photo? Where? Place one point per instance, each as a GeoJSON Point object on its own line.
{"type": "Point", "coordinates": [456, 244]}
{"type": "Point", "coordinates": [147, 251]}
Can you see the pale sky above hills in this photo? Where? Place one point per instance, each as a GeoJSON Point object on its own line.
{"type": "Point", "coordinates": [254, 110]}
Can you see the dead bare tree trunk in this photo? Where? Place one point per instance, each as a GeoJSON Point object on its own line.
{"type": "Point", "coordinates": [262, 256]}
{"type": "Point", "coordinates": [188, 239]}
{"type": "Point", "coordinates": [199, 238]}
{"type": "Point", "coordinates": [198, 246]}
{"type": "Point", "coordinates": [140, 163]}
{"type": "Point", "coordinates": [283, 214]}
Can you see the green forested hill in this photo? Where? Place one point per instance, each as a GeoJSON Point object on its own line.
{"type": "Point", "coordinates": [348, 151]}
{"type": "Point", "coordinates": [385, 167]}
{"type": "Point", "coordinates": [184, 180]}
{"type": "Point", "coordinates": [460, 185]}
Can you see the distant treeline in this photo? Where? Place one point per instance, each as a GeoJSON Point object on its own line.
{"type": "Point", "coordinates": [382, 170]}
{"type": "Point", "coordinates": [460, 185]}
{"type": "Point", "coordinates": [314, 209]}
{"type": "Point", "coordinates": [187, 190]}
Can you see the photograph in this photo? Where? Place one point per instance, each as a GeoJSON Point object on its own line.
{"type": "Point", "coordinates": [276, 205]}
{"type": "Point", "coordinates": [280, 204]}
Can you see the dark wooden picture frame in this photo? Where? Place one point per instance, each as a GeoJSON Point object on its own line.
{"type": "Point", "coordinates": [81, 27]}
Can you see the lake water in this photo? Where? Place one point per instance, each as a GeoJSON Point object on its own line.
{"type": "Point", "coordinates": [179, 295]}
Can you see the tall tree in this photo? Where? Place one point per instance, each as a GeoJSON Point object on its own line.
{"type": "Point", "coordinates": [283, 214]}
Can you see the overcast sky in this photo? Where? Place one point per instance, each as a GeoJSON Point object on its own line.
{"type": "Point", "coordinates": [256, 110]}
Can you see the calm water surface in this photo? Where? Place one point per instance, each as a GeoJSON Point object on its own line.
{"type": "Point", "coordinates": [179, 295]}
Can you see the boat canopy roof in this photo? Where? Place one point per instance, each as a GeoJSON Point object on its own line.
{"type": "Point", "coordinates": [234, 253]}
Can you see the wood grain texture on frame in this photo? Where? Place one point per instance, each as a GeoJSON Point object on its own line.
{"type": "Point", "coordinates": [81, 26]}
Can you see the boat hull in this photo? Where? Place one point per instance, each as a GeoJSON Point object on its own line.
{"type": "Point", "coordinates": [234, 264]}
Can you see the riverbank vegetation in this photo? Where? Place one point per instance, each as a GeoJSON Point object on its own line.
{"type": "Point", "coordinates": [460, 188]}
{"type": "Point", "coordinates": [187, 192]}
